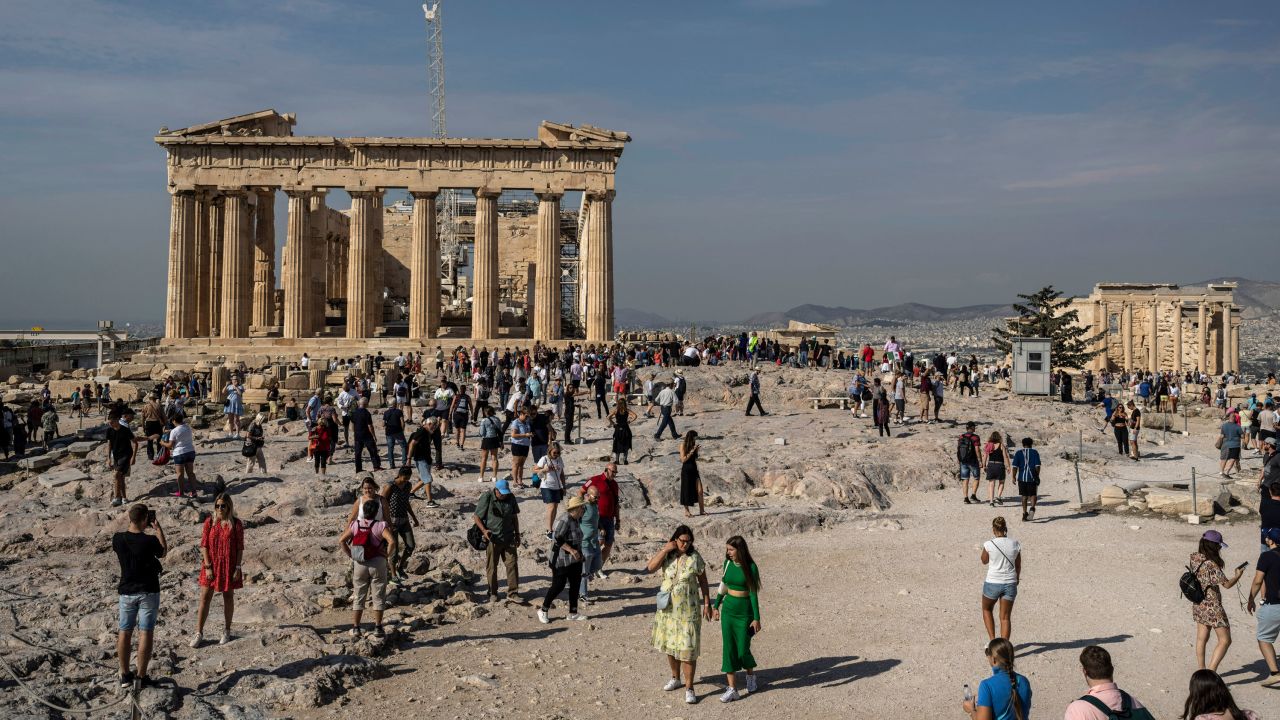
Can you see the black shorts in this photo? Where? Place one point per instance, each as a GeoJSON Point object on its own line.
{"type": "Point", "coordinates": [152, 427]}
{"type": "Point", "coordinates": [519, 450]}
{"type": "Point", "coordinates": [490, 443]}
{"type": "Point", "coordinates": [1028, 489]}
{"type": "Point", "coordinates": [995, 471]}
{"type": "Point", "coordinates": [460, 420]}
{"type": "Point", "coordinates": [121, 465]}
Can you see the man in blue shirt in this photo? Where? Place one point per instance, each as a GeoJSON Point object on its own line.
{"type": "Point", "coordinates": [1026, 468]}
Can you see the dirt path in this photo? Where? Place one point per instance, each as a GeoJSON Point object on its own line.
{"type": "Point", "coordinates": [861, 621]}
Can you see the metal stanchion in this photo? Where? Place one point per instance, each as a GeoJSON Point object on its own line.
{"type": "Point", "coordinates": [1079, 488]}
{"type": "Point", "coordinates": [1194, 505]}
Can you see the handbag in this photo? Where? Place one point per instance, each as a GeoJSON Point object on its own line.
{"type": "Point", "coordinates": [1218, 443]}
{"type": "Point", "coordinates": [664, 599]}
{"type": "Point", "coordinates": [249, 449]}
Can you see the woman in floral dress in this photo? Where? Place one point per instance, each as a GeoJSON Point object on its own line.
{"type": "Point", "coordinates": [1208, 613]}
{"type": "Point", "coordinates": [221, 550]}
{"type": "Point", "coordinates": [677, 626]}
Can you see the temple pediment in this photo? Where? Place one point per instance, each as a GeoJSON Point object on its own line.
{"type": "Point", "coordinates": [263, 123]}
{"type": "Point", "coordinates": [553, 133]}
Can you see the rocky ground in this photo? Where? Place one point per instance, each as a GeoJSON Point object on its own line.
{"type": "Point", "coordinates": [868, 554]}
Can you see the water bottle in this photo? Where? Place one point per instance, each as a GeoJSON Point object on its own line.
{"type": "Point", "coordinates": [968, 694]}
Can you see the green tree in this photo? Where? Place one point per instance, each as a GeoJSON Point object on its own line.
{"type": "Point", "coordinates": [1044, 314]}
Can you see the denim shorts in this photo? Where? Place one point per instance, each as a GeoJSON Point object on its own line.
{"type": "Point", "coordinates": [552, 497]}
{"type": "Point", "coordinates": [424, 471]}
{"type": "Point", "coordinates": [184, 458]}
{"type": "Point", "coordinates": [606, 530]}
{"type": "Point", "coordinates": [1268, 623]}
{"type": "Point", "coordinates": [969, 471]}
{"type": "Point", "coordinates": [139, 611]}
{"type": "Point", "coordinates": [1000, 591]}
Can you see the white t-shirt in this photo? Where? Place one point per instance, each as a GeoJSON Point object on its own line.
{"type": "Point", "coordinates": [899, 388]}
{"type": "Point", "coordinates": [551, 472]}
{"type": "Point", "coordinates": [1002, 552]}
{"type": "Point", "coordinates": [183, 441]}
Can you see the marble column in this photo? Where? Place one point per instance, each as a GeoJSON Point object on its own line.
{"type": "Point", "coordinates": [1202, 337]}
{"type": "Point", "coordinates": [264, 260]}
{"type": "Point", "coordinates": [216, 240]}
{"type": "Point", "coordinates": [484, 288]}
{"type": "Point", "coordinates": [546, 286]}
{"type": "Point", "coordinates": [358, 274]}
{"type": "Point", "coordinates": [600, 270]}
{"type": "Point", "coordinates": [320, 288]}
{"type": "Point", "coordinates": [1228, 344]}
{"type": "Point", "coordinates": [1100, 329]}
{"type": "Point", "coordinates": [376, 270]}
{"type": "Point", "coordinates": [296, 266]}
{"type": "Point", "coordinates": [1177, 336]}
{"type": "Point", "coordinates": [1126, 333]}
{"type": "Point", "coordinates": [202, 268]}
{"type": "Point", "coordinates": [424, 270]}
{"type": "Point", "coordinates": [584, 248]}
{"type": "Point", "coordinates": [180, 315]}
{"type": "Point", "coordinates": [1153, 350]}
{"type": "Point", "coordinates": [237, 259]}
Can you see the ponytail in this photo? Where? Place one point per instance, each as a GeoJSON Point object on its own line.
{"type": "Point", "coordinates": [1000, 651]}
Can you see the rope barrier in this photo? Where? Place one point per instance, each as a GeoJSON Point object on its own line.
{"type": "Point", "coordinates": [75, 711]}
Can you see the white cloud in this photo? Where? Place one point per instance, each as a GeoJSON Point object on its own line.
{"type": "Point", "coordinates": [1081, 178]}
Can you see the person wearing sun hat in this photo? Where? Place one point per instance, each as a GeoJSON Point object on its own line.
{"type": "Point", "coordinates": [1209, 615]}
{"type": "Point", "coordinates": [566, 559]}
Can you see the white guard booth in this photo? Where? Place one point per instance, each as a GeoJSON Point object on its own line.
{"type": "Point", "coordinates": [1031, 365]}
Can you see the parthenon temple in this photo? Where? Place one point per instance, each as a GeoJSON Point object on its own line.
{"type": "Point", "coordinates": [1162, 326]}
{"type": "Point", "coordinates": [336, 270]}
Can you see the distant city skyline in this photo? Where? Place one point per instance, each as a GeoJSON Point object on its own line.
{"type": "Point", "coordinates": [785, 151]}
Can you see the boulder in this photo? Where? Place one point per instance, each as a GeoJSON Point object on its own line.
{"type": "Point", "coordinates": [58, 478]}
{"type": "Point", "coordinates": [83, 447]}
{"type": "Point", "coordinates": [135, 371]}
{"type": "Point", "coordinates": [1113, 496]}
{"type": "Point", "coordinates": [1178, 502]}
{"type": "Point", "coordinates": [39, 462]}
{"type": "Point", "coordinates": [55, 375]}
{"type": "Point", "coordinates": [298, 381]}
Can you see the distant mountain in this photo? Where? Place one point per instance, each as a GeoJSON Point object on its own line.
{"type": "Point", "coordinates": [1255, 297]}
{"type": "Point", "coordinates": [905, 312]}
{"type": "Point", "coordinates": [631, 318]}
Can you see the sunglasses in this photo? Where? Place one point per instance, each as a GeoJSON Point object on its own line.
{"type": "Point", "coordinates": [219, 506]}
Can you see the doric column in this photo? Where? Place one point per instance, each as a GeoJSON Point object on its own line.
{"type": "Point", "coordinates": [1177, 336]}
{"type": "Point", "coordinates": [264, 259]}
{"type": "Point", "coordinates": [180, 315]}
{"type": "Point", "coordinates": [237, 265]}
{"type": "Point", "coordinates": [584, 244]}
{"type": "Point", "coordinates": [377, 277]}
{"type": "Point", "coordinates": [358, 274]}
{"type": "Point", "coordinates": [424, 271]}
{"type": "Point", "coordinates": [1202, 337]}
{"type": "Point", "coordinates": [600, 269]}
{"type": "Point", "coordinates": [202, 270]}
{"type": "Point", "coordinates": [484, 290]}
{"type": "Point", "coordinates": [546, 286]}
{"type": "Point", "coordinates": [1153, 356]}
{"type": "Point", "coordinates": [1228, 344]}
{"type": "Point", "coordinates": [1126, 331]}
{"type": "Point", "coordinates": [1235, 345]}
{"type": "Point", "coordinates": [214, 290]}
{"type": "Point", "coordinates": [321, 268]}
{"type": "Point", "coordinates": [296, 266]}
{"type": "Point", "coordinates": [1099, 329]}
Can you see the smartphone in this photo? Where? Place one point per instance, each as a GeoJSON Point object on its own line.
{"type": "Point", "coordinates": [151, 518]}
{"type": "Point", "coordinates": [1243, 565]}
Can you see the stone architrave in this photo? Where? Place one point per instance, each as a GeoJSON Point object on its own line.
{"type": "Point", "coordinates": [264, 259]}
{"type": "Point", "coordinates": [237, 258]}
{"type": "Point", "coordinates": [216, 241]}
{"type": "Point", "coordinates": [546, 301]}
{"type": "Point", "coordinates": [202, 265]}
{"type": "Point", "coordinates": [484, 305]}
{"type": "Point", "coordinates": [1202, 337]}
{"type": "Point", "coordinates": [180, 313]}
{"type": "Point", "coordinates": [296, 266]}
{"type": "Point", "coordinates": [424, 275]}
{"type": "Point", "coordinates": [600, 270]}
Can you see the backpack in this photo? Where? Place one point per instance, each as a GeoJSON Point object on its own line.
{"type": "Point", "coordinates": [1126, 712]}
{"type": "Point", "coordinates": [967, 450]}
{"type": "Point", "coordinates": [364, 544]}
{"type": "Point", "coordinates": [476, 539]}
{"type": "Point", "coordinates": [1190, 585]}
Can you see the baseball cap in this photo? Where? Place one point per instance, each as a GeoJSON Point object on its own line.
{"type": "Point", "coordinates": [1270, 441]}
{"type": "Point", "coordinates": [1213, 536]}
{"type": "Point", "coordinates": [1273, 534]}
{"type": "Point", "coordinates": [503, 486]}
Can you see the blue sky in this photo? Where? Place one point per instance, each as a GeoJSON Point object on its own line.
{"type": "Point", "coordinates": [785, 151]}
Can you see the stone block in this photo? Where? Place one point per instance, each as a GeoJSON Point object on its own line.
{"type": "Point", "coordinates": [298, 381]}
{"type": "Point", "coordinates": [256, 382]}
{"type": "Point", "coordinates": [1178, 502]}
{"type": "Point", "coordinates": [1113, 496]}
{"type": "Point", "coordinates": [58, 478]}
{"type": "Point", "coordinates": [83, 447]}
{"type": "Point", "coordinates": [135, 371]}
{"type": "Point", "coordinates": [39, 462]}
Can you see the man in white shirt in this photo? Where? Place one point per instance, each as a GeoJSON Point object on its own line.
{"type": "Point", "coordinates": [346, 400]}
{"type": "Point", "coordinates": [305, 362]}
{"type": "Point", "coordinates": [666, 400]}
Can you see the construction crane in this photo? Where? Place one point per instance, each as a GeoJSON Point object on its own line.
{"type": "Point", "coordinates": [447, 216]}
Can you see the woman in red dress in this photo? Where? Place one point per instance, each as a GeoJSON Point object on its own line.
{"type": "Point", "coordinates": [221, 552]}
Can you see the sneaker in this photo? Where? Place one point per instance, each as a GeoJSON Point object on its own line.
{"type": "Point", "coordinates": [672, 684]}
{"type": "Point", "coordinates": [226, 638]}
{"type": "Point", "coordinates": [730, 695]}
{"type": "Point", "coordinates": [967, 501]}
{"type": "Point", "coordinates": [542, 617]}
{"type": "Point", "coordinates": [196, 641]}
{"type": "Point", "coordinates": [116, 502]}
{"type": "Point", "coordinates": [493, 599]}
{"type": "Point", "coordinates": [126, 680]}
{"type": "Point", "coordinates": [548, 534]}
{"type": "Point", "coordinates": [1031, 514]}
{"type": "Point", "coordinates": [1273, 681]}
{"type": "Point", "coordinates": [690, 698]}
{"type": "Point", "coordinates": [601, 575]}
{"type": "Point", "coordinates": [379, 632]}
{"type": "Point", "coordinates": [145, 681]}
{"type": "Point", "coordinates": [355, 632]}
{"type": "Point", "coordinates": [974, 497]}
{"type": "Point", "coordinates": [751, 683]}
{"type": "Point", "coordinates": [1024, 516]}
{"type": "Point", "coordinates": [577, 617]}
{"type": "Point", "coordinates": [433, 504]}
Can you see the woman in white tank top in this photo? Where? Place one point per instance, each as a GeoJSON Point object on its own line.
{"type": "Point", "coordinates": [1003, 557]}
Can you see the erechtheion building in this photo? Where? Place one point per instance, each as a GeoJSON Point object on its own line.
{"type": "Point", "coordinates": [1162, 326]}
{"type": "Point", "coordinates": [223, 177]}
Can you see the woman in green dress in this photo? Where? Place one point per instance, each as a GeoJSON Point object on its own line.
{"type": "Point", "coordinates": [677, 626]}
{"type": "Point", "coordinates": [738, 609]}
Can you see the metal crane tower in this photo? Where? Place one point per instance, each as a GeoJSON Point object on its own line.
{"type": "Point", "coordinates": [447, 228]}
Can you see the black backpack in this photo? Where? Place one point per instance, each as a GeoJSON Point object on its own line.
{"type": "Point", "coordinates": [1126, 712]}
{"type": "Point", "coordinates": [1190, 586]}
{"type": "Point", "coordinates": [967, 450]}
